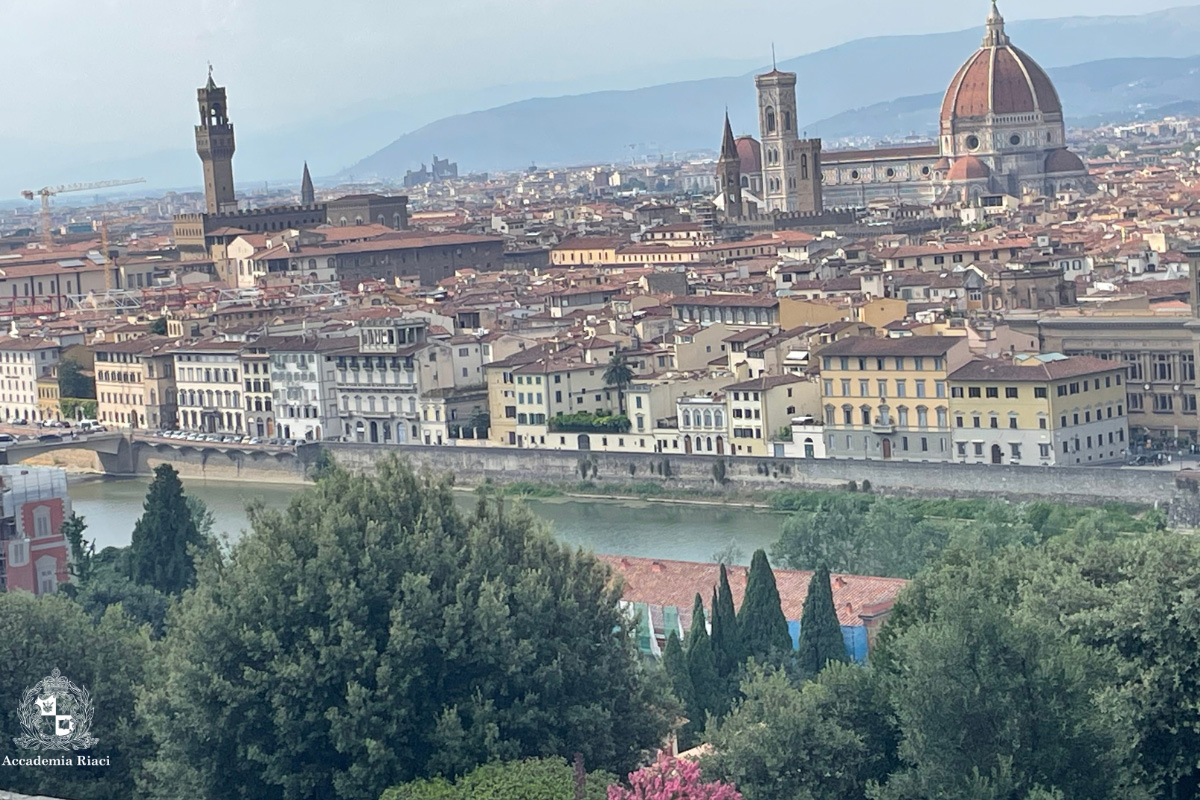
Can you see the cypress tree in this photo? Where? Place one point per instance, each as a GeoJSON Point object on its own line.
{"type": "Point", "coordinates": [702, 669]}
{"type": "Point", "coordinates": [764, 629]}
{"type": "Point", "coordinates": [676, 667]}
{"type": "Point", "coordinates": [159, 554]}
{"type": "Point", "coordinates": [820, 632]}
{"type": "Point", "coordinates": [726, 637]}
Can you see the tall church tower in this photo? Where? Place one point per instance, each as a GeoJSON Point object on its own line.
{"type": "Point", "coordinates": [214, 144]}
{"type": "Point", "coordinates": [777, 127]}
{"type": "Point", "coordinates": [791, 165]}
{"type": "Point", "coordinates": [729, 175]}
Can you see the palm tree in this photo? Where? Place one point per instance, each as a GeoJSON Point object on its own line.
{"type": "Point", "coordinates": [619, 375]}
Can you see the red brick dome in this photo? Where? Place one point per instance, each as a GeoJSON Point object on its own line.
{"type": "Point", "coordinates": [1063, 160]}
{"type": "Point", "coordinates": [750, 154]}
{"type": "Point", "coordinates": [999, 79]}
{"type": "Point", "coordinates": [968, 168]}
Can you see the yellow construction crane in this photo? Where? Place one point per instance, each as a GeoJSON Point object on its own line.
{"type": "Point", "coordinates": [49, 191]}
{"type": "Point", "coordinates": [109, 264]}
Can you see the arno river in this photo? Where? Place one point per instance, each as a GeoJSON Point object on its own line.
{"type": "Point", "coordinates": [111, 506]}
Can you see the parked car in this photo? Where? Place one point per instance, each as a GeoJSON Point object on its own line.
{"type": "Point", "coordinates": [50, 437]}
{"type": "Point", "coordinates": [18, 421]}
{"type": "Point", "coordinates": [7, 438]}
{"type": "Point", "coordinates": [254, 440]}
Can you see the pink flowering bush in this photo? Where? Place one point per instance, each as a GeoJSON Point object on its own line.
{"type": "Point", "coordinates": [672, 779]}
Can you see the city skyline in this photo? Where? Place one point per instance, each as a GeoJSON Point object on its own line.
{"type": "Point", "coordinates": [247, 44]}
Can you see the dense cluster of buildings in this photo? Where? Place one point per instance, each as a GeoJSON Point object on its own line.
{"type": "Point", "coordinates": [992, 300]}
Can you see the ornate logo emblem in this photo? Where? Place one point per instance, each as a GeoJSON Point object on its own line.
{"type": "Point", "coordinates": [56, 715]}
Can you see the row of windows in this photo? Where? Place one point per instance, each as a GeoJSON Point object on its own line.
{"type": "Point", "coordinates": [922, 444]}
{"type": "Point", "coordinates": [124, 399]}
{"type": "Point", "coordinates": [210, 398]}
{"type": "Point", "coordinates": [897, 363]}
{"type": "Point", "coordinates": [1162, 403]}
{"type": "Point", "coordinates": [708, 418]}
{"type": "Point", "coordinates": [883, 388]}
{"type": "Point", "coordinates": [1065, 420]}
{"type": "Point", "coordinates": [866, 416]}
{"type": "Point", "coordinates": [210, 375]}
{"type": "Point", "coordinates": [106, 376]}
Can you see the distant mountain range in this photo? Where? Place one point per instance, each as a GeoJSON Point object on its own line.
{"type": "Point", "coordinates": [846, 91]}
{"type": "Point", "coordinates": [1113, 90]}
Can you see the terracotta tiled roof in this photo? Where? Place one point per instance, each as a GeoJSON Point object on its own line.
{"type": "Point", "coordinates": [985, 369]}
{"type": "Point", "coordinates": [661, 582]}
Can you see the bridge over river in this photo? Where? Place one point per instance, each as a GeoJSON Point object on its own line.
{"type": "Point", "coordinates": [131, 454]}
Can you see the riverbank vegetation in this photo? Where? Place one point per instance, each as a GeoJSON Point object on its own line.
{"type": "Point", "coordinates": [372, 640]}
{"type": "Point", "coordinates": [369, 636]}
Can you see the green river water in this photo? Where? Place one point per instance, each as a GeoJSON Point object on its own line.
{"type": "Point", "coordinates": [686, 532]}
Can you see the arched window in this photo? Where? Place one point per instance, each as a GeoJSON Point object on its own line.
{"type": "Point", "coordinates": [718, 418]}
{"type": "Point", "coordinates": [770, 119]}
{"type": "Point", "coordinates": [708, 419]}
{"type": "Point", "coordinates": [687, 418]}
{"type": "Point", "coordinates": [804, 166]}
{"type": "Point", "coordinates": [787, 121]}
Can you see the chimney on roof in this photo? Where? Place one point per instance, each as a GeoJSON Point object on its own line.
{"type": "Point", "coordinates": [625, 563]}
{"type": "Point", "coordinates": [656, 566]}
{"type": "Point", "coordinates": [839, 582]}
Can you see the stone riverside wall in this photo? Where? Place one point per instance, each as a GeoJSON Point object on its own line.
{"type": "Point", "coordinates": [1083, 485]}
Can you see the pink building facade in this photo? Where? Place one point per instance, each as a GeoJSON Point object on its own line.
{"type": "Point", "coordinates": [33, 503]}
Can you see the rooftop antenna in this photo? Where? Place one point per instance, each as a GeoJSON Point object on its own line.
{"type": "Point", "coordinates": [773, 66]}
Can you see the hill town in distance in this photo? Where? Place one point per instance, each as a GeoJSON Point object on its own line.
{"type": "Point", "coordinates": [942, 390]}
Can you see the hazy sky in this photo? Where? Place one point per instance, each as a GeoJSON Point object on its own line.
{"type": "Point", "coordinates": [110, 70]}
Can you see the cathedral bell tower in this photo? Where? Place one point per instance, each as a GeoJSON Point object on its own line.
{"type": "Point", "coordinates": [214, 145]}
{"type": "Point", "coordinates": [729, 175]}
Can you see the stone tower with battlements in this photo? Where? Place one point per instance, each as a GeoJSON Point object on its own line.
{"type": "Point", "coordinates": [215, 146]}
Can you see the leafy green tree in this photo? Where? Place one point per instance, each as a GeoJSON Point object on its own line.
{"type": "Point", "coordinates": [81, 550]}
{"type": "Point", "coordinates": [74, 408]}
{"type": "Point", "coordinates": [763, 627]}
{"type": "Point", "coordinates": [707, 689]}
{"type": "Point", "coordinates": [158, 326]}
{"type": "Point", "coordinates": [372, 634]}
{"type": "Point", "coordinates": [986, 695]}
{"type": "Point", "coordinates": [165, 539]}
{"type": "Point", "coordinates": [619, 374]}
{"type": "Point", "coordinates": [830, 536]}
{"type": "Point", "coordinates": [1133, 601]}
{"type": "Point", "coordinates": [680, 681]}
{"type": "Point", "coordinates": [41, 634]}
{"type": "Point", "coordinates": [72, 382]}
{"type": "Point", "coordinates": [820, 632]}
{"type": "Point", "coordinates": [108, 588]}
{"type": "Point", "coordinates": [726, 634]}
{"type": "Point", "coordinates": [826, 740]}
{"type": "Point", "coordinates": [531, 779]}
{"type": "Point", "coordinates": [880, 537]}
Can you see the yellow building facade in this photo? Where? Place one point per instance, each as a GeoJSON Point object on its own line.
{"type": "Point", "coordinates": [1044, 410]}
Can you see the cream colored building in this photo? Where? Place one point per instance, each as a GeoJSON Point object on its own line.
{"type": "Point", "coordinates": [760, 408]}
{"type": "Point", "coordinates": [121, 384]}
{"type": "Point", "coordinates": [1045, 410]}
{"type": "Point", "coordinates": [22, 362]}
{"type": "Point", "coordinates": [208, 377]}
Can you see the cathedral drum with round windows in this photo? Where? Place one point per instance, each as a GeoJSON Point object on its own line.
{"type": "Point", "coordinates": [997, 88]}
